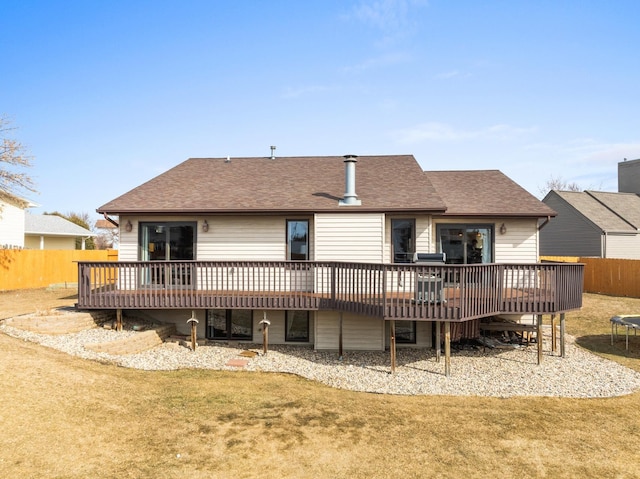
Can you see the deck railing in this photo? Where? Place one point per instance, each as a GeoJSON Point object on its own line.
{"type": "Point", "coordinates": [388, 291]}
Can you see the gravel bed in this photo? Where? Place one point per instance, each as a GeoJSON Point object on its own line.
{"type": "Point", "coordinates": [474, 372]}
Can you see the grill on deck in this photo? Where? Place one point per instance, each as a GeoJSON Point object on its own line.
{"type": "Point", "coordinates": [429, 286]}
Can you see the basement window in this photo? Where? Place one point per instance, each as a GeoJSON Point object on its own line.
{"type": "Point", "coordinates": [297, 326]}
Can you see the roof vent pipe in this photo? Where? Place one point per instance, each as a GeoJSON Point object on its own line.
{"type": "Point", "coordinates": [273, 152]}
{"type": "Point", "coordinates": [350, 196]}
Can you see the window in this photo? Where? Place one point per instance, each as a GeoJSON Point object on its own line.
{"type": "Point", "coordinates": [297, 240]}
{"type": "Point", "coordinates": [403, 234]}
{"type": "Point", "coordinates": [406, 332]}
{"type": "Point", "coordinates": [229, 324]}
{"type": "Point", "coordinates": [466, 244]}
{"type": "Point", "coordinates": [297, 326]}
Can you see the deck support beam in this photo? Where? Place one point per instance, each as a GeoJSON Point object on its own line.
{"type": "Point", "coordinates": [554, 339]}
{"type": "Point", "coordinates": [392, 345]}
{"type": "Point", "coordinates": [539, 337]}
{"type": "Point", "coordinates": [340, 351]}
{"type": "Point", "coordinates": [447, 348]}
{"type": "Point", "coordinates": [438, 342]}
{"type": "Point", "coordinates": [562, 350]}
{"type": "Point", "coordinates": [118, 320]}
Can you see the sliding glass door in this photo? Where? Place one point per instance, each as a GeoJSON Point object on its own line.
{"type": "Point", "coordinates": [167, 241]}
{"type": "Point", "coordinates": [466, 244]}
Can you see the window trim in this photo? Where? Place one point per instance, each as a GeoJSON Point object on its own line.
{"type": "Point", "coordinates": [412, 240]}
{"type": "Point", "coordinates": [288, 242]}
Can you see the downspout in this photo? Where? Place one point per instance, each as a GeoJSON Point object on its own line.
{"type": "Point", "coordinates": [544, 223]}
{"type": "Point", "coordinates": [113, 222]}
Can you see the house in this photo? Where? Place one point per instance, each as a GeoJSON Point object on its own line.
{"type": "Point", "coordinates": [328, 250]}
{"type": "Point", "coordinates": [12, 211]}
{"type": "Point", "coordinates": [53, 232]}
{"type": "Point", "coordinates": [596, 223]}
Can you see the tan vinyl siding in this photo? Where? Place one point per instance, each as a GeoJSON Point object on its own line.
{"type": "Point", "coordinates": [622, 246]}
{"type": "Point", "coordinates": [243, 238]}
{"type": "Point", "coordinates": [359, 333]}
{"type": "Point", "coordinates": [519, 244]}
{"type": "Point", "coordinates": [352, 237]}
{"type": "Point", "coordinates": [50, 242]}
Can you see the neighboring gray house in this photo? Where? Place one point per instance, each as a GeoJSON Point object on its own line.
{"type": "Point", "coordinates": [52, 232]}
{"type": "Point", "coordinates": [592, 223]}
{"type": "Point", "coordinates": [596, 223]}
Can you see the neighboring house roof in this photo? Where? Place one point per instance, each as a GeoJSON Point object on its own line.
{"type": "Point", "coordinates": [283, 184]}
{"type": "Point", "coordinates": [16, 201]}
{"type": "Point", "coordinates": [625, 205]}
{"type": "Point", "coordinates": [609, 215]}
{"type": "Point", "coordinates": [105, 225]}
{"type": "Point", "coordinates": [485, 193]}
{"type": "Point", "coordinates": [52, 225]}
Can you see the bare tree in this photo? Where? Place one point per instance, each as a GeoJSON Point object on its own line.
{"type": "Point", "coordinates": [558, 184]}
{"type": "Point", "coordinates": [13, 160]}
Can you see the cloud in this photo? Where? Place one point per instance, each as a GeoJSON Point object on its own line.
{"type": "Point", "coordinates": [452, 74]}
{"type": "Point", "coordinates": [434, 131]}
{"type": "Point", "coordinates": [379, 62]}
{"type": "Point", "coordinates": [386, 15]}
{"type": "Point", "coordinates": [291, 92]}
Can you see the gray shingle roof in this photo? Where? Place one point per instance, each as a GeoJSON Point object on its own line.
{"type": "Point", "coordinates": [599, 214]}
{"type": "Point", "coordinates": [285, 184]}
{"type": "Point", "coordinates": [625, 205]}
{"type": "Point", "coordinates": [316, 184]}
{"type": "Point", "coordinates": [52, 225]}
{"type": "Point", "coordinates": [485, 193]}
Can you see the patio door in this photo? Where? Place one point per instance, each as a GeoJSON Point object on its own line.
{"type": "Point", "coordinates": [466, 244]}
{"type": "Point", "coordinates": [163, 242]}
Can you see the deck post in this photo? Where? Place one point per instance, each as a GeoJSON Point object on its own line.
{"type": "Point", "coordinates": [554, 339]}
{"type": "Point", "coordinates": [562, 350]}
{"type": "Point", "coordinates": [392, 345]}
{"type": "Point", "coordinates": [194, 330]}
{"type": "Point", "coordinates": [340, 337]}
{"type": "Point", "coordinates": [447, 348]}
{"type": "Point", "coordinates": [438, 343]}
{"type": "Point", "coordinates": [539, 337]}
{"type": "Point", "coordinates": [118, 320]}
{"type": "Point", "coordinates": [265, 333]}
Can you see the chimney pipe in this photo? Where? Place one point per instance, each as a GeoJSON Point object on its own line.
{"type": "Point", "coordinates": [350, 196]}
{"type": "Point", "coordinates": [273, 154]}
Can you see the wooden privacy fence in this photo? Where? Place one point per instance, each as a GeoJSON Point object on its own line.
{"type": "Point", "coordinates": [27, 269]}
{"type": "Point", "coordinates": [617, 277]}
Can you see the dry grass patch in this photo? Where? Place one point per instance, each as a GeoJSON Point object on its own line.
{"type": "Point", "coordinates": [71, 418]}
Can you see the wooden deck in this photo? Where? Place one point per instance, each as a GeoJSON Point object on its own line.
{"type": "Point", "coordinates": [387, 291]}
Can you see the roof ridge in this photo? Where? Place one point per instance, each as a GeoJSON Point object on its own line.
{"type": "Point", "coordinates": [590, 193]}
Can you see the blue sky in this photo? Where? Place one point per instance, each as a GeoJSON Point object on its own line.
{"type": "Point", "coordinates": [108, 94]}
